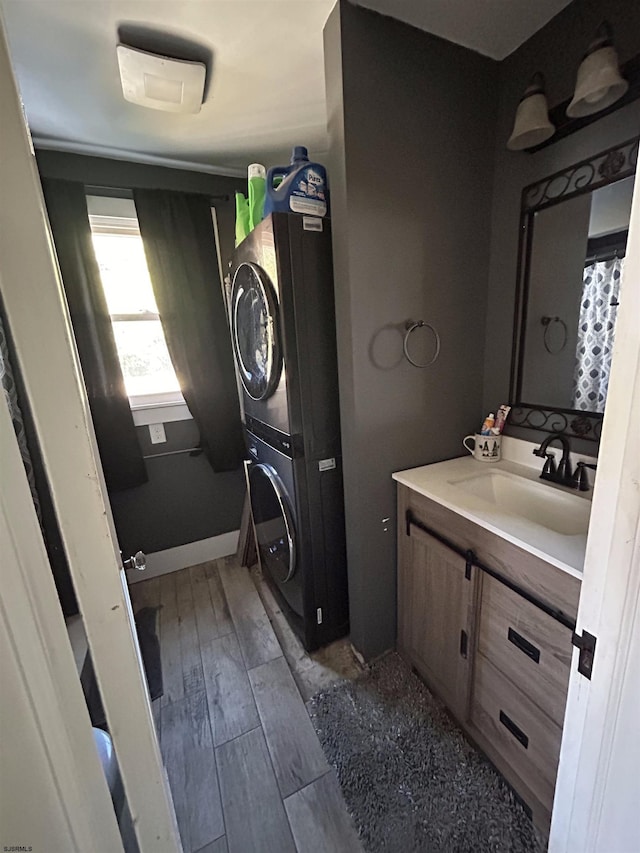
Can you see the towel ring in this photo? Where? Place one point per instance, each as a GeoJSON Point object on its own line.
{"type": "Point", "coordinates": [547, 322]}
{"type": "Point", "coordinates": [411, 327]}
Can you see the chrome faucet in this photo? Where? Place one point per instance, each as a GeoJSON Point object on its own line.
{"type": "Point", "coordinates": [563, 473]}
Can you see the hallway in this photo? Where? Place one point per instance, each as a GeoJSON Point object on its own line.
{"type": "Point", "coordinates": [245, 766]}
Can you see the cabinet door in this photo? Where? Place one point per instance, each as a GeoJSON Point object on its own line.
{"type": "Point", "coordinates": [435, 608]}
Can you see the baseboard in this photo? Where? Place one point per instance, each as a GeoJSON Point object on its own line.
{"type": "Point", "coordinates": [191, 554]}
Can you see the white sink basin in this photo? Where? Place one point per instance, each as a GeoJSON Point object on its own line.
{"type": "Point", "coordinates": [533, 501]}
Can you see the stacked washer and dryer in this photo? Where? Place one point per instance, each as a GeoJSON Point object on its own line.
{"type": "Point", "coordinates": [283, 330]}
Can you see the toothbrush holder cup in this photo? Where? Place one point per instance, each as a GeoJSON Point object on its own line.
{"type": "Point", "coordinates": [486, 448]}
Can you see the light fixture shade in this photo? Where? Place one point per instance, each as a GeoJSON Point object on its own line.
{"type": "Point", "coordinates": [599, 83]}
{"type": "Point", "coordinates": [531, 125]}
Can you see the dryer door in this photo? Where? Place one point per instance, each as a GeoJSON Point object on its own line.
{"type": "Point", "coordinates": [273, 523]}
{"type": "Point", "coordinates": [256, 336]}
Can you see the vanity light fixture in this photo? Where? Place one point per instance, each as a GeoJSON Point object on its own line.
{"type": "Point", "coordinates": [532, 125]}
{"type": "Point", "coordinates": [599, 83]}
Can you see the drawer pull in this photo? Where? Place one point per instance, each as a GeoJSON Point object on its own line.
{"type": "Point", "coordinates": [524, 645]}
{"type": "Point", "coordinates": [517, 732]}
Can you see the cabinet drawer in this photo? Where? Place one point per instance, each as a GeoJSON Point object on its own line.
{"type": "Point", "coordinates": [523, 735]}
{"type": "Point", "coordinates": [527, 645]}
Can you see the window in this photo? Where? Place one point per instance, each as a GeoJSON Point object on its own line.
{"type": "Point", "coordinates": [148, 373]}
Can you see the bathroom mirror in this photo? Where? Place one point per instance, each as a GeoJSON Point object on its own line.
{"type": "Point", "coordinates": [574, 227]}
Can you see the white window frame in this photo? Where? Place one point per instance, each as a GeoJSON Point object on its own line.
{"type": "Point", "coordinates": [110, 215]}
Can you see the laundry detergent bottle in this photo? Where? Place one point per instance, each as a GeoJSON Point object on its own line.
{"type": "Point", "coordinates": [302, 188]}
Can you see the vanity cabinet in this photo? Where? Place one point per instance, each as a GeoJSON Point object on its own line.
{"type": "Point", "coordinates": [496, 659]}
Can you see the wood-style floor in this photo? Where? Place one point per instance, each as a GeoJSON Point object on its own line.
{"type": "Point", "coordinates": [245, 767]}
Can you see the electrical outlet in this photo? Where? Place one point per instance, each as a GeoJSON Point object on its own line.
{"type": "Point", "coordinates": [157, 434]}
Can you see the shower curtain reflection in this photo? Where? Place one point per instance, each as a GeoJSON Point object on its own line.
{"type": "Point", "coordinates": [596, 331]}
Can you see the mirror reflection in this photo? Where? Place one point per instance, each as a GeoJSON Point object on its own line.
{"type": "Point", "coordinates": [575, 269]}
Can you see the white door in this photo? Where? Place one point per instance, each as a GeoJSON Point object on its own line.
{"type": "Point", "coordinates": [54, 793]}
{"type": "Point", "coordinates": [597, 800]}
{"type": "Point", "coordinates": [38, 320]}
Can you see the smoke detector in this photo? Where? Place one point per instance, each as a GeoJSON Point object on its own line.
{"type": "Point", "coordinates": [161, 82]}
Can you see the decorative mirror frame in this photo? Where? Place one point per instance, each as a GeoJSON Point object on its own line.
{"type": "Point", "coordinates": [609, 166]}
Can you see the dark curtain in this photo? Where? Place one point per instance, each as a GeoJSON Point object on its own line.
{"type": "Point", "coordinates": [179, 244]}
{"type": "Point", "coordinates": [120, 452]}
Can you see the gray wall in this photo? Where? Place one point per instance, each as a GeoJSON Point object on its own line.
{"type": "Point", "coordinates": [411, 126]}
{"type": "Point", "coordinates": [184, 500]}
{"type": "Point", "coordinates": [556, 50]}
{"type": "Point", "coordinates": [611, 208]}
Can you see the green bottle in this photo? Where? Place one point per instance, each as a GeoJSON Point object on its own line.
{"type": "Point", "coordinates": [257, 189]}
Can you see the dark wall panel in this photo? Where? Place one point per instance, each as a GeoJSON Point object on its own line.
{"type": "Point", "coordinates": [411, 126]}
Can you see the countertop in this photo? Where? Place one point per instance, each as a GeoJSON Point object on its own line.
{"type": "Point", "coordinates": [434, 482]}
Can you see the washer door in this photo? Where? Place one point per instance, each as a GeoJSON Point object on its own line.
{"type": "Point", "coordinates": [273, 523]}
{"type": "Point", "coordinates": [256, 339]}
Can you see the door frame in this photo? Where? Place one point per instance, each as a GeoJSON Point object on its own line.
{"type": "Point", "coordinates": [597, 791]}
{"type": "Point", "coordinates": [38, 319]}
{"type": "Point", "coordinates": [40, 668]}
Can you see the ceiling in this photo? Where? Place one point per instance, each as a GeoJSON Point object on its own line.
{"type": "Point", "coordinates": [494, 28]}
{"type": "Point", "coordinates": [265, 94]}
{"type": "Point", "coordinates": [265, 91]}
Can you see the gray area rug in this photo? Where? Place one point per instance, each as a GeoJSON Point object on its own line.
{"type": "Point", "coordinates": [410, 778]}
